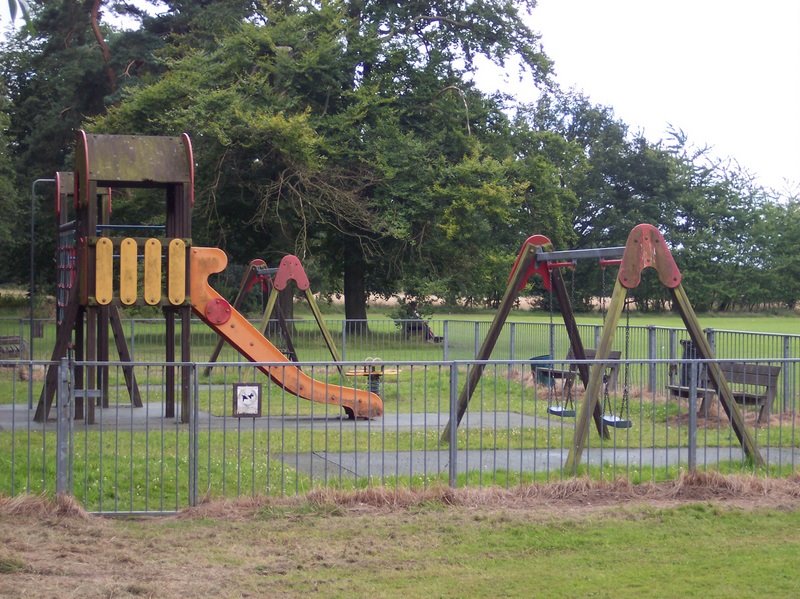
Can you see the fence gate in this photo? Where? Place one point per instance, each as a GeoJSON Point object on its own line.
{"type": "Point", "coordinates": [131, 459]}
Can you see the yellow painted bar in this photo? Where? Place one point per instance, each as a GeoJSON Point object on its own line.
{"type": "Point", "coordinates": [152, 272]}
{"type": "Point", "coordinates": [128, 271]}
{"type": "Point", "coordinates": [104, 271]}
{"type": "Point", "coordinates": [176, 285]}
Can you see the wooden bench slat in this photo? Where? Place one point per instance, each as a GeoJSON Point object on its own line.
{"type": "Point", "coordinates": [12, 347]}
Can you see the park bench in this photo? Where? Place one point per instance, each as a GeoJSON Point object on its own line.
{"type": "Point", "coordinates": [13, 347]}
{"type": "Point", "coordinates": [751, 385]}
{"type": "Point", "coordinates": [550, 375]}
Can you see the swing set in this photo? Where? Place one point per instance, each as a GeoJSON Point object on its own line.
{"type": "Point", "coordinates": [272, 281]}
{"type": "Point", "coordinates": [563, 405]}
{"type": "Point", "coordinates": [645, 248]}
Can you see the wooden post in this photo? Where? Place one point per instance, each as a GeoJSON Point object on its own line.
{"type": "Point", "coordinates": [715, 374]}
{"type": "Point", "coordinates": [575, 341]}
{"type": "Point", "coordinates": [590, 400]}
{"type": "Point", "coordinates": [516, 280]}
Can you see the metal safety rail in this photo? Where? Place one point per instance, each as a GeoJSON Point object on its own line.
{"type": "Point", "coordinates": [244, 436]}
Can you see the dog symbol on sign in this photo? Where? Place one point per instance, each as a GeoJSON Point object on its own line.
{"type": "Point", "coordinates": [248, 400]}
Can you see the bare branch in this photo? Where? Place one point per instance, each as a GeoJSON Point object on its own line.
{"type": "Point", "coordinates": [98, 35]}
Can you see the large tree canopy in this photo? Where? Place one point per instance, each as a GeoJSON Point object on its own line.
{"type": "Point", "coordinates": [349, 132]}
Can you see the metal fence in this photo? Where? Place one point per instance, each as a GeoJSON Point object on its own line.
{"type": "Point", "coordinates": [134, 459]}
{"type": "Point", "coordinates": [447, 340]}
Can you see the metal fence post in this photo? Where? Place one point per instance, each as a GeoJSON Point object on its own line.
{"type": "Point", "coordinates": [693, 371]}
{"type": "Point", "coordinates": [673, 344]}
{"type": "Point", "coordinates": [344, 339]}
{"type": "Point", "coordinates": [712, 340]}
{"type": "Point", "coordinates": [453, 449]}
{"type": "Point", "coordinates": [30, 363]}
{"type": "Point", "coordinates": [446, 340]}
{"type": "Point", "coordinates": [193, 434]}
{"type": "Point", "coordinates": [476, 338]}
{"type": "Point", "coordinates": [598, 329]}
{"type": "Point", "coordinates": [511, 343]}
{"type": "Point", "coordinates": [63, 428]}
{"type": "Point", "coordinates": [552, 341]}
{"type": "Point", "coordinates": [788, 371]}
{"type": "Point", "coordinates": [651, 355]}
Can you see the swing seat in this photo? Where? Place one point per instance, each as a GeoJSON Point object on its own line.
{"type": "Point", "coordinates": [615, 421]}
{"type": "Point", "coordinates": [561, 411]}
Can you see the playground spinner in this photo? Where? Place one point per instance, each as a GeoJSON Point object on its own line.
{"type": "Point", "coordinates": [99, 273]}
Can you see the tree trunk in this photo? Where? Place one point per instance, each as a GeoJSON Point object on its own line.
{"type": "Point", "coordinates": [355, 290]}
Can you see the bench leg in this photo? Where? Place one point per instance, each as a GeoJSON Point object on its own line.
{"type": "Point", "coordinates": [763, 413]}
{"type": "Point", "coordinates": [705, 402]}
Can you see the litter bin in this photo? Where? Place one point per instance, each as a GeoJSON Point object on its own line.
{"type": "Point", "coordinates": [689, 352]}
{"type": "Point", "coordinates": [540, 367]}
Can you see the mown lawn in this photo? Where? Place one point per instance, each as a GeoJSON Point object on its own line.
{"type": "Point", "coordinates": [427, 549]}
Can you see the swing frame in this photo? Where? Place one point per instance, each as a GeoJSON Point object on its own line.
{"type": "Point", "coordinates": [646, 248]}
{"type": "Point", "coordinates": [536, 257]}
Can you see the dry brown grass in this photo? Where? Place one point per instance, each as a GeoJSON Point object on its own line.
{"type": "Point", "coordinates": [715, 417]}
{"type": "Point", "coordinates": [743, 491]}
{"type": "Point", "coordinates": [699, 486]}
{"type": "Point", "coordinates": [270, 547]}
{"type": "Point", "coordinates": [39, 506]}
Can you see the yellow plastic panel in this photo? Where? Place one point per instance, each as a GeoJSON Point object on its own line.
{"type": "Point", "coordinates": [128, 271]}
{"type": "Point", "coordinates": [104, 271]}
{"type": "Point", "coordinates": [152, 272]}
{"type": "Point", "coordinates": [176, 286]}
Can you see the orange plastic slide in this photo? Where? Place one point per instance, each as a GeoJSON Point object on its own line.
{"type": "Point", "coordinates": [217, 313]}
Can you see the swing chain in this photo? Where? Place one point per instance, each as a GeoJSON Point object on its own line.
{"type": "Point", "coordinates": [626, 376]}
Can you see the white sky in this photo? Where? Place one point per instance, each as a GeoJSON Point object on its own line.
{"type": "Point", "coordinates": [727, 72]}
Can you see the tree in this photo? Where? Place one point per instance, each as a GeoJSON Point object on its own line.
{"type": "Point", "coordinates": [333, 128]}
{"type": "Point", "coordinates": [12, 237]}
{"type": "Point", "coordinates": [619, 179]}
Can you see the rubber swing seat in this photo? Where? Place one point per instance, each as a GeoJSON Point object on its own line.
{"type": "Point", "coordinates": [561, 411]}
{"type": "Point", "coordinates": [616, 422]}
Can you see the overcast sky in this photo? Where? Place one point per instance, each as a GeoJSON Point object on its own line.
{"type": "Point", "coordinates": [727, 72]}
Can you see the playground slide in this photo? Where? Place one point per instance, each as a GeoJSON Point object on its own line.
{"type": "Point", "coordinates": [217, 313]}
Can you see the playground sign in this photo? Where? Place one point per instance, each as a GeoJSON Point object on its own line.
{"type": "Point", "coordinates": [247, 399]}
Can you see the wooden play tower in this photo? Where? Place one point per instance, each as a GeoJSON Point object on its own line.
{"type": "Point", "coordinates": [99, 273]}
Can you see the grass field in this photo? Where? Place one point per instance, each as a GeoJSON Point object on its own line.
{"type": "Point", "coordinates": [574, 539]}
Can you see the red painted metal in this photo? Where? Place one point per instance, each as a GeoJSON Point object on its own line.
{"type": "Point", "coordinates": [255, 278]}
{"type": "Point", "coordinates": [535, 268]}
{"type": "Point", "coordinates": [58, 197]}
{"type": "Point", "coordinates": [218, 311]}
{"type": "Point", "coordinates": [604, 262]}
{"type": "Point", "coordinates": [554, 265]}
{"type": "Point", "coordinates": [83, 144]}
{"type": "Point", "coordinates": [646, 248]}
{"type": "Point", "coordinates": [290, 269]}
{"type": "Point", "coordinates": [187, 143]}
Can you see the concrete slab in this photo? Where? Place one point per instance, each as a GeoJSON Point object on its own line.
{"type": "Point", "coordinates": [332, 465]}
{"type": "Point", "coordinates": [151, 417]}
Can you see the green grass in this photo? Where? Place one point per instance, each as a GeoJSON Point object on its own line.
{"type": "Point", "coordinates": [120, 470]}
{"type": "Point", "coordinates": [654, 553]}
{"type": "Point", "coordinates": [429, 549]}
{"type": "Point", "coordinates": [146, 339]}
